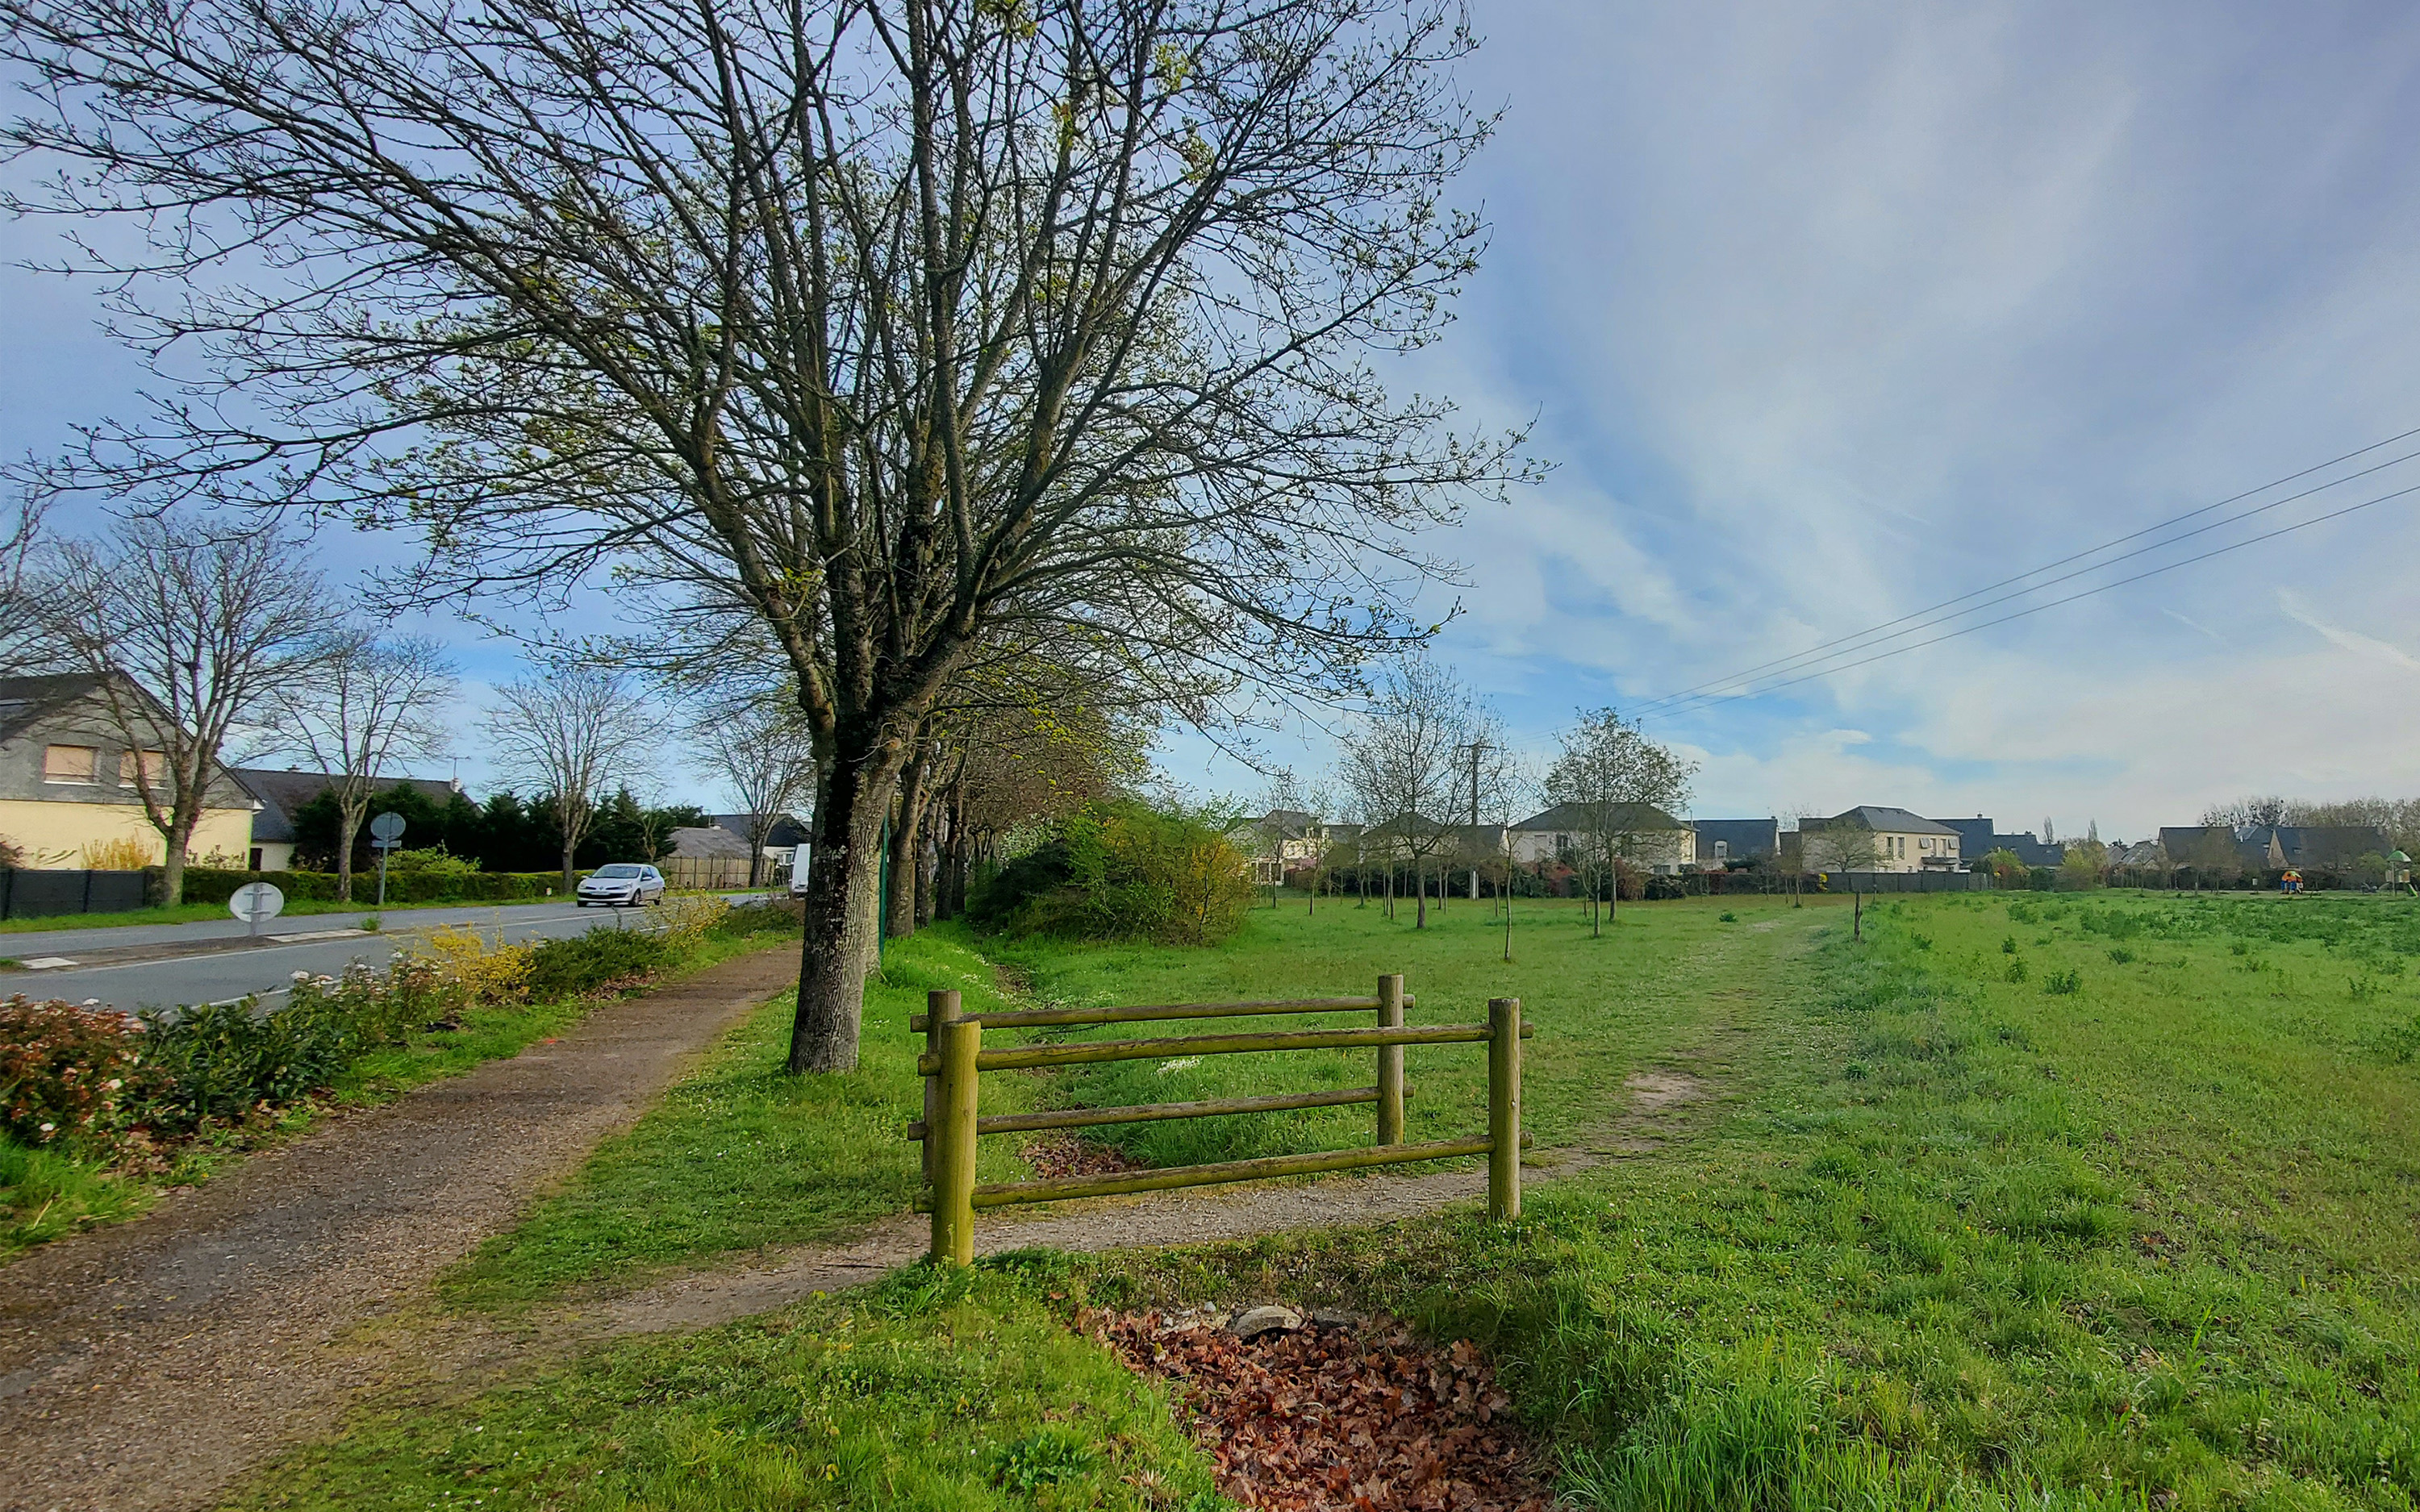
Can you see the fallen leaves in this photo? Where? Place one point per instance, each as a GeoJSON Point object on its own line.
{"type": "Point", "coordinates": [1057, 1155]}
{"type": "Point", "coordinates": [1357, 1416]}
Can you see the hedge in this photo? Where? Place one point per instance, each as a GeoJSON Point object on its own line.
{"type": "Point", "coordinates": [216, 884]}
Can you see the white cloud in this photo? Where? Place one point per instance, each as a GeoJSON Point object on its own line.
{"type": "Point", "coordinates": [2359, 644]}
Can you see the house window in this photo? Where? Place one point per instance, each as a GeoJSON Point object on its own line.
{"type": "Point", "coordinates": [155, 767]}
{"type": "Point", "coordinates": [70, 763]}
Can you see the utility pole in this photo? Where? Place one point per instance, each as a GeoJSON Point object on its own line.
{"type": "Point", "coordinates": [1476, 746]}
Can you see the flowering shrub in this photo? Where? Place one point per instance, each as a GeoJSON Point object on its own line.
{"type": "Point", "coordinates": [586, 963]}
{"type": "Point", "coordinates": [686, 918]}
{"type": "Point", "coordinates": [66, 1071]}
{"type": "Point", "coordinates": [488, 970]}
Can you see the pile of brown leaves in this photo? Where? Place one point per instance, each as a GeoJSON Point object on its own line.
{"type": "Point", "coordinates": [1065, 1155]}
{"type": "Point", "coordinates": [1350, 1415]}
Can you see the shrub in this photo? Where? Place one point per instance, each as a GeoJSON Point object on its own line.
{"type": "Point", "coordinates": [123, 854]}
{"type": "Point", "coordinates": [456, 880]}
{"type": "Point", "coordinates": [586, 962]}
{"type": "Point", "coordinates": [488, 970]}
{"type": "Point", "coordinates": [685, 921]}
{"type": "Point", "coordinates": [64, 1071]}
{"type": "Point", "coordinates": [1122, 870]}
{"type": "Point", "coordinates": [2065, 983]}
{"type": "Point", "coordinates": [780, 916]}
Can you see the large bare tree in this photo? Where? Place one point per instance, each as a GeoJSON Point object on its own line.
{"type": "Point", "coordinates": [373, 702]}
{"type": "Point", "coordinates": [25, 644]}
{"type": "Point", "coordinates": [901, 326]}
{"type": "Point", "coordinates": [190, 627]}
{"type": "Point", "coordinates": [572, 733]}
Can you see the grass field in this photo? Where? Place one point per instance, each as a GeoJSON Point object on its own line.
{"type": "Point", "coordinates": [2026, 1202]}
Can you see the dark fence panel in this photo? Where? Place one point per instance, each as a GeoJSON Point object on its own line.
{"type": "Point", "coordinates": [39, 894]}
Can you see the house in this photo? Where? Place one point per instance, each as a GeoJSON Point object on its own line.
{"type": "Point", "coordinates": [1979, 837]}
{"type": "Point", "coordinates": [1280, 842]}
{"type": "Point", "coordinates": [68, 800]}
{"type": "Point", "coordinates": [2206, 846]}
{"type": "Point", "coordinates": [1648, 836]}
{"type": "Point", "coordinates": [2327, 847]}
{"type": "Point", "coordinates": [283, 793]}
{"type": "Point", "coordinates": [1900, 841]}
{"type": "Point", "coordinates": [1723, 841]}
{"type": "Point", "coordinates": [782, 840]}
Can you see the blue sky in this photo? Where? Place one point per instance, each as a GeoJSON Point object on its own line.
{"type": "Point", "coordinates": [1825, 314]}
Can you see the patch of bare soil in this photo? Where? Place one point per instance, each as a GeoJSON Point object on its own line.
{"type": "Point", "coordinates": [150, 1365]}
{"type": "Point", "coordinates": [1347, 1415]}
{"type": "Point", "coordinates": [1651, 1111]}
{"type": "Point", "coordinates": [1064, 1154]}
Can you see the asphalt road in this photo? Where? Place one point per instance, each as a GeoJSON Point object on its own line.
{"type": "Point", "coordinates": [218, 974]}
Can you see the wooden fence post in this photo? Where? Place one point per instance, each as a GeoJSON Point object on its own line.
{"type": "Point", "coordinates": [952, 1142]}
{"type": "Point", "coordinates": [1504, 1107]}
{"type": "Point", "coordinates": [940, 1009]}
{"type": "Point", "coordinates": [1391, 1061]}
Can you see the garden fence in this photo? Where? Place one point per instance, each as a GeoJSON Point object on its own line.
{"type": "Point", "coordinates": [955, 1059]}
{"type": "Point", "coordinates": [39, 894]}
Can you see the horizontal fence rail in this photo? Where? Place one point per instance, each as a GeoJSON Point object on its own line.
{"type": "Point", "coordinates": [1156, 1111]}
{"type": "Point", "coordinates": [1042, 1018]}
{"type": "Point", "coordinates": [1091, 1052]}
{"type": "Point", "coordinates": [955, 1059]}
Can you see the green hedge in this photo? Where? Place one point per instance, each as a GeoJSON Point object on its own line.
{"type": "Point", "coordinates": [216, 884]}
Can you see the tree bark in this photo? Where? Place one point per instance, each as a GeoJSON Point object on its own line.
{"type": "Point", "coordinates": [907, 852]}
{"type": "Point", "coordinates": [844, 882]}
{"type": "Point", "coordinates": [348, 827]}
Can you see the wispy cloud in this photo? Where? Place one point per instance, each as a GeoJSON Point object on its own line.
{"type": "Point", "coordinates": [2352, 641]}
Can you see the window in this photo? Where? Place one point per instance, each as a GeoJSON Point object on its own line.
{"type": "Point", "coordinates": [155, 768]}
{"type": "Point", "coordinates": [70, 763]}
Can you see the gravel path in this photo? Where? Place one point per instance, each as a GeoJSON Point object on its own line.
{"type": "Point", "coordinates": [147, 1365]}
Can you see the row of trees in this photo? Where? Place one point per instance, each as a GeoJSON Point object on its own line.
{"type": "Point", "coordinates": [215, 642]}
{"type": "Point", "coordinates": [1427, 766]}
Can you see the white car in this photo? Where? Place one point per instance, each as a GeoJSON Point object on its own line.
{"type": "Point", "coordinates": [623, 885]}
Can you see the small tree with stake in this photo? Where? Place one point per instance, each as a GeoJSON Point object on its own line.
{"type": "Point", "coordinates": [1617, 782]}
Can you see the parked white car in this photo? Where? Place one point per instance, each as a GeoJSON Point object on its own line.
{"type": "Point", "coordinates": [623, 885]}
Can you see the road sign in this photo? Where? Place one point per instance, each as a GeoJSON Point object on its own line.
{"type": "Point", "coordinates": [255, 902]}
{"type": "Point", "coordinates": [386, 833]}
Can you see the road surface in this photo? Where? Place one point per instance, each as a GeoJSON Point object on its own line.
{"type": "Point", "coordinates": [212, 971]}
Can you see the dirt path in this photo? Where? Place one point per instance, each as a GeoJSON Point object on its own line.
{"type": "Point", "coordinates": [1654, 1103]}
{"type": "Point", "coordinates": [146, 1366]}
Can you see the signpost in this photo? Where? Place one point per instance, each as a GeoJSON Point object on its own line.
{"type": "Point", "coordinates": [255, 901]}
{"type": "Point", "coordinates": [386, 833]}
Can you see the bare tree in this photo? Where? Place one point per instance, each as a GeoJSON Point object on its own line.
{"type": "Point", "coordinates": [189, 631]}
{"type": "Point", "coordinates": [1844, 845]}
{"type": "Point", "coordinates": [25, 643]}
{"type": "Point", "coordinates": [765, 758]}
{"type": "Point", "coordinates": [2256, 812]}
{"type": "Point", "coordinates": [1619, 785]}
{"type": "Point", "coordinates": [370, 703]}
{"type": "Point", "coordinates": [890, 322]}
{"type": "Point", "coordinates": [1399, 761]}
{"type": "Point", "coordinates": [572, 733]}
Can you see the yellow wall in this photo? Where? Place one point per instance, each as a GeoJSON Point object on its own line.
{"type": "Point", "coordinates": [53, 835]}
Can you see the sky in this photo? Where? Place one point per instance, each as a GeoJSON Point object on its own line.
{"type": "Point", "coordinates": [1824, 315]}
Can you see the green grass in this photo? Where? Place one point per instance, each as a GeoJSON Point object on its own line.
{"type": "Point", "coordinates": [2134, 1232]}
{"type": "Point", "coordinates": [739, 1154]}
{"type": "Point", "coordinates": [952, 1393]}
{"type": "Point", "coordinates": [45, 1194]}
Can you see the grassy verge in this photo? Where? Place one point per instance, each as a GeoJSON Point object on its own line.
{"type": "Point", "coordinates": [964, 1393]}
{"type": "Point", "coordinates": [47, 1193]}
{"type": "Point", "coordinates": [740, 1155]}
{"type": "Point", "coordinates": [2080, 1203]}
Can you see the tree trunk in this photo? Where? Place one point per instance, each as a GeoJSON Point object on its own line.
{"type": "Point", "coordinates": [178, 841]}
{"type": "Point", "coordinates": [348, 828]}
{"type": "Point", "coordinates": [843, 882]}
{"type": "Point", "coordinates": [906, 830]}
{"type": "Point", "coordinates": [570, 847]}
{"type": "Point", "coordinates": [1421, 910]}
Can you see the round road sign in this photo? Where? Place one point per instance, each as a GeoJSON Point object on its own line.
{"type": "Point", "coordinates": [255, 901]}
{"type": "Point", "coordinates": [387, 827]}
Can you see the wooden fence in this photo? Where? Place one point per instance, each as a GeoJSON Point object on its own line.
{"type": "Point", "coordinates": [955, 1059]}
{"type": "Point", "coordinates": [707, 872]}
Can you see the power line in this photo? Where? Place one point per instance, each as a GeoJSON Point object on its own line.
{"type": "Point", "coordinates": [2099, 588]}
{"type": "Point", "coordinates": [1841, 642]}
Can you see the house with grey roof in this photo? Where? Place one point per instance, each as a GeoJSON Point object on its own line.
{"type": "Point", "coordinates": [1647, 836]}
{"type": "Point", "coordinates": [1723, 843]}
{"type": "Point", "coordinates": [1877, 838]}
